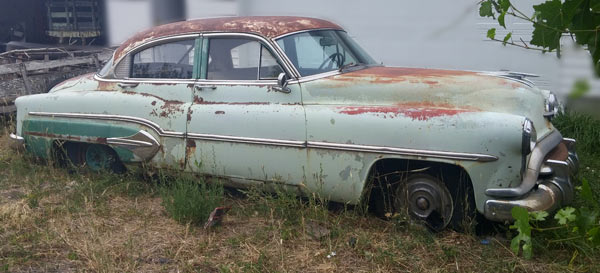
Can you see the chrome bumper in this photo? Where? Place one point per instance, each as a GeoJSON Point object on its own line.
{"type": "Point", "coordinates": [16, 142]}
{"type": "Point", "coordinates": [553, 189]}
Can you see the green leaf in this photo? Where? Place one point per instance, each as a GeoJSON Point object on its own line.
{"type": "Point", "coordinates": [595, 6]}
{"type": "Point", "coordinates": [501, 19]}
{"type": "Point", "coordinates": [549, 25]}
{"type": "Point", "coordinates": [581, 87]}
{"type": "Point", "coordinates": [587, 219]}
{"type": "Point", "coordinates": [485, 10]}
{"type": "Point", "coordinates": [538, 215]}
{"type": "Point", "coordinates": [565, 215]}
{"type": "Point", "coordinates": [593, 235]}
{"type": "Point", "coordinates": [506, 38]}
{"type": "Point", "coordinates": [521, 216]}
{"type": "Point", "coordinates": [504, 4]}
{"type": "Point", "coordinates": [586, 190]}
{"type": "Point", "coordinates": [491, 33]}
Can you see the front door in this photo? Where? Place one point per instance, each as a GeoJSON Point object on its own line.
{"type": "Point", "coordinates": [241, 128]}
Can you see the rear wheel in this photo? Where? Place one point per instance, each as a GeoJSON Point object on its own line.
{"type": "Point", "coordinates": [101, 157]}
{"type": "Point", "coordinates": [96, 157]}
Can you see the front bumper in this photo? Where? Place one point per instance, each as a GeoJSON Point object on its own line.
{"type": "Point", "coordinates": [16, 142]}
{"type": "Point", "coordinates": [552, 190]}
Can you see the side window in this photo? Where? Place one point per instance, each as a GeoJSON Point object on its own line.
{"type": "Point", "coordinates": [240, 59]}
{"type": "Point", "coordinates": [269, 68]}
{"type": "Point", "coordinates": [173, 60]}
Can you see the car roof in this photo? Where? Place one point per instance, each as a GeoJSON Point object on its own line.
{"type": "Point", "coordinates": [266, 26]}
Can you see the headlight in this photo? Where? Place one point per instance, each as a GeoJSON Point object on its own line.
{"type": "Point", "coordinates": [552, 106]}
{"type": "Point", "coordinates": [529, 137]}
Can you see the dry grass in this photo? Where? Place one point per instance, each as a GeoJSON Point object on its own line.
{"type": "Point", "coordinates": [53, 221]}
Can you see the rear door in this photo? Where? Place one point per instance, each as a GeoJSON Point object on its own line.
{"type": "Point", "coordinates": [240, 126]}
{"type": "Point", "coordinates": [158, 88]}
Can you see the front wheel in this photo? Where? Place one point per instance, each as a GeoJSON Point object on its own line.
{"type": "Point", "coordinates": [427, 199]}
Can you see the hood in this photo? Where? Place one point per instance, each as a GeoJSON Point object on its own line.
{"type": "Point", "coordinates": [419, 93]}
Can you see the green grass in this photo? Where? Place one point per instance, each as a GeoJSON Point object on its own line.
{"type": "Point", "coordinates": [190, 200]}
{"type": "Point", "coordinates": [586, 131]}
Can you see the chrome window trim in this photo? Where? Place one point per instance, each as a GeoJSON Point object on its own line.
{"type": "Point", "coordinates": [280, 142]}
{"type": "Point", "coordinates": [147, 80]}
{"type": "Point", "coordinates": [289, 69]}
{"type": "Point", "coordinates": [305, 30]}
{"type": "Point", "coordinates": [152, 42]}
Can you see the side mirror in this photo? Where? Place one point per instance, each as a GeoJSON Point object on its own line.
{"type": "Point", "coordinates": [282, 82]}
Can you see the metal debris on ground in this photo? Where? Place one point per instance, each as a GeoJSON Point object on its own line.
{"type": "Point", "coordinates": [216, 217]}
{"type": "Point", "coordinates": [316, 230]}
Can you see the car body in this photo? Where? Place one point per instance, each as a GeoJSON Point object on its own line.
{"type": "Point", "coordinates": [294, 102]}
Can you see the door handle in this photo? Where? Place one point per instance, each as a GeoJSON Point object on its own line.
{"type": "Point", "coordinates": [204, 87]}
{"type": "Point", "coordinates": [127, 84]}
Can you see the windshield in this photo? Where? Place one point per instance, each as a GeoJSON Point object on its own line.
{"type": "Point", "coordinates": [319, 51]}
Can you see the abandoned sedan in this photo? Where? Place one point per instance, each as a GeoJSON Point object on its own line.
{"type": "Point", "coordinates": [295, 102]}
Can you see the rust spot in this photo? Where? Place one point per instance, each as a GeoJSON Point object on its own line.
{"type": "Point", "coordinates": [233, 103]}
{"type": "Point", "coordinates": [198, 100]}
{"type": "Point", "coordinates": [102, 140]}
{"type": "Point", "coordinates": [219, 112]}
{"type": "Point", "coordinates": [162, 83]}
{"type": "Point", "coordinates": [416, 111]}
{"type": "Point", "coordinates": [190, 150]}
{"type": "Point", "coordinates": [560, 152]}
{"type": "Point", "coordinates": [387, 75]}
{"type": "Point", "coordinates": [189, 114]}
{"type": "Point", "coordinates": [171, 107]}
{"type": "Point", "coordinates": [153, 103]}
{"type": "Point", "coordinates": [267, 26]}
{"type": "Point", "coordinates": [393, 72]}
{"type": "Point", "coordinates": [107, 86]}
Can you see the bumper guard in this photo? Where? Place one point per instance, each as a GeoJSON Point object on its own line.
{"type": "Point", "coordinates": [553, 188]}
{"type": "Point", "coordinates": [16, 142]}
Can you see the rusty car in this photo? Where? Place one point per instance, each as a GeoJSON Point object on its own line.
{"type": "Point", "coordinates": [295, 102]}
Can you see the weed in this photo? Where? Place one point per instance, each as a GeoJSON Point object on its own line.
{"type": "Point", "coordinates": [190, 201]}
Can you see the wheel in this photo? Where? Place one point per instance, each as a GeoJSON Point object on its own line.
{"type": "Point", "coordinates": [426, 199]}
{"type": "Point", "coordinates": [101, 157]}
{"type": "Point", "coordinates": [335, 57]}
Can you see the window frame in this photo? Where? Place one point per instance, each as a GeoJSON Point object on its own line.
{"type": "Point", "coordinates": [197, 43]}
{"type": "Point", "coordinates": [262, 42]}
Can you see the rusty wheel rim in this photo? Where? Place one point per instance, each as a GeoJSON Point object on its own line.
{"type": "Point", "coordinates": [427, 199]}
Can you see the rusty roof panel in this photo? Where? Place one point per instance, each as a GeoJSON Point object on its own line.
{"type": "Point", "coordinates": [267, 26]}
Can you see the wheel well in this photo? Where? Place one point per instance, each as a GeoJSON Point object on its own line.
{"type": "Point", "coordinates": [68, 154]}
{"type": "Point", "coordinates": [386, 174]}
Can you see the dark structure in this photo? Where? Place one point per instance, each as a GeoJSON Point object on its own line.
{"type": "Point", "coordinates": [68, 19]}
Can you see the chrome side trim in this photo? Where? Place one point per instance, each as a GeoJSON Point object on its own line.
{"type": "Point", "coordinates": [142, 144]}
{"type": "Point", "coordinates": [248, 140]}
{"type": "Point", "coordinates": [155, 127]}
{"type": "Point", "coordinates": [534, 165]}
{"type": "Point", "coordinates": [278, 142]}
{"type": "Point", "coordinates": [403, 151]}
